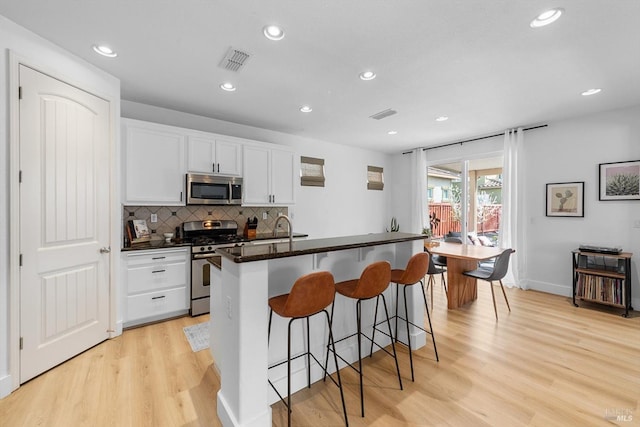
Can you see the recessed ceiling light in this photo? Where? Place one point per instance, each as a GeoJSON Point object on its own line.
{"type": "Point", "coordinates": [546, 18]}
{"type": "Point", "coordinates": [367, 75]}
{"type": "Point", "coordinates": [229, 87]}
{"type": "Point", "coordinates": [273, 32]}
{"type": "Point", "coordinates": [306, 109]}
{"type": "Point", "coordinates": [393, 132]}
{"type": "Point", "coordinates": [442, 119]}
{"type": "Point", "coordinates": [591, 92]}
{"type": "Point", "coordinates": [104, 50]}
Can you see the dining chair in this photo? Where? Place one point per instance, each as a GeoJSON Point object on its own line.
{"type": "Point", "coordinates": [435, 270]}
{"type": "Point", "coordinates": [491, 274]}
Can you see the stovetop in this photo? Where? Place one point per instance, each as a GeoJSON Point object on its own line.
{"type": "Point", "coordinates": [205, 236]}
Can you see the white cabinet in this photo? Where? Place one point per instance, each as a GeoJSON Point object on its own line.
{"type": "Point", "coordinates": [269, 176]}
{"type": "Point", "coordinates": [157, 284]}
{"type": "Point", "coordinates": [154, 164]}
{"type": "Point", "coordinates": [214, 155]}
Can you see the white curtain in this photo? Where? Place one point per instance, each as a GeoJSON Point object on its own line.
{"type": "Point", "coordinates": [511, 223]}
{"type": "Point", "coordinates": [419, 215]}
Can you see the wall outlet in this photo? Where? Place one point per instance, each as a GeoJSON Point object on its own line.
{"type": "Point", "coordinates": [154, 217]}
{"type": "Point", "coordinates": [264, 215]}
{"type": "Point", "coordinates": [228, 307]}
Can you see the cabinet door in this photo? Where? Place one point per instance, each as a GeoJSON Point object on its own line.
{"type": "Point", "coordinates": [282, 177]}
{"type": "Point", "coordinates": [228, 158]}
{"type": "Point", "coordinates": [201, 154]}
{"type": "Point", "coordinates": [154, 165]}
{"type": "Point", "coordinates": [256, 175]}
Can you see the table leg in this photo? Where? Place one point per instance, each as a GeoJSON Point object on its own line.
{"type": "Point", "coordinates": [462, 289]}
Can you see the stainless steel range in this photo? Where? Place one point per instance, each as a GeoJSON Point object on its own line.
{"type": "Point", "coordinates": [205, 237]}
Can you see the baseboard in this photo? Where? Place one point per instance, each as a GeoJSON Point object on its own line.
{"type": "Point", "coordinates": [550, 288]}
{"type": "Point", "coordinates": [5, 386]}
{"type": "Point", "coordinates": [227, 417]}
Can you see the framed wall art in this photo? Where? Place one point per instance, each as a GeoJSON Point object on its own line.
{"type": "Point", "coordinates": [565, 199]}
{"type": "Point", "coordinates": [619, 180]}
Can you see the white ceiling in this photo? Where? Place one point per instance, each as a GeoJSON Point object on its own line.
{"type": "Point", "coordinates": [477, 62]}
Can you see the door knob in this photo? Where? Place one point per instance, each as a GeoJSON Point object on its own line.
{"type": "Point", "coordinates": [105, 250]}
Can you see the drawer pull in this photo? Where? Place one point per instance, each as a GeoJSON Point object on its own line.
{"type": "Point", "coordinates": [160, 297]}
{"type": "Point", "coordinates": [159, 257]}
{"type": "Point", "coordinates": [159, 271]}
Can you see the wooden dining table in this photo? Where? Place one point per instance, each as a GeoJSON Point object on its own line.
{"type": "Point", "coordinates": [460, 258]}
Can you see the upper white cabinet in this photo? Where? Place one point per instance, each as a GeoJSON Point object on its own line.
{"type": "Point", "coordinates": [269, 176]}
{"type": "Point", "coordinates": [154, 164]}
{"type": "Point", "coordinates": [214, 155]}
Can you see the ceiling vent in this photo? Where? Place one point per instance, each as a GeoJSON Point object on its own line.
{"type": "Point", "coordinates": [382, 114]}
{"type": "Point", "coordinates": [234, 60]}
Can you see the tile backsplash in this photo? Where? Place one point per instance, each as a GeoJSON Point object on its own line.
{"type": "Point", "coordinates": [170, 217]}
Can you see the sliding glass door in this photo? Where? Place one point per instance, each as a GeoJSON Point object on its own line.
{"type": "Point", "coordinates": [465, 199]}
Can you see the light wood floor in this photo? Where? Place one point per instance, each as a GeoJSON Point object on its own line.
{"type": "Point", "coordinates": [546, 363]}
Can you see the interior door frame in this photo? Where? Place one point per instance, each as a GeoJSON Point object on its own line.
{"type": "Point", "coordinates": [115, 325]}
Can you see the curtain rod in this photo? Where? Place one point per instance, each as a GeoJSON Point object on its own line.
{"type": "Point", "coordinates": [475, 139]}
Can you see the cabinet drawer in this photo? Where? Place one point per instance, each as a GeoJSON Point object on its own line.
{"type": "Point", "coordinates": [158, 257]}
{"type": "Point", "coordinates": [150, 277]}
{"type": "Point", "coordinates": [156, 303]}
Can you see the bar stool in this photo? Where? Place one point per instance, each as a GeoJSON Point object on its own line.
{"type": "Point", "coordinates": [310, 295]}
{"type": "Point", "coordinates": [414, 273]}
{"type": "Point", "coordinates": [373, 281]}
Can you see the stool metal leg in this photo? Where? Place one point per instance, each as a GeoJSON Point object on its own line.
{"type": "Point", "coordinates": [308, 357]}
{"type": "Point", "coordinates": [406, 313]}
{"type": "Point", "coordinates": [433, 337]}
{"type": "Point", "coordinates": [393, 346]}
{"type": "Point", "coordinates": [335, 360]}
{"type": "Point", "coordinates": [359, 328]}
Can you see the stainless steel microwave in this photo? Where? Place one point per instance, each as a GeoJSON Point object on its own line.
{"type": "Point", "coordinates": [213, 190]}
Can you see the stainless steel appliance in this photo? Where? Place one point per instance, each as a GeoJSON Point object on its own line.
{"type": "Point", "coordinates": [213, 190]}
{"type": "Point", "coordinates": [205, 237]}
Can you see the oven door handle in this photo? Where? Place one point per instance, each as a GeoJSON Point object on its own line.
{"type": "Point", "coordinates": [204, 256]}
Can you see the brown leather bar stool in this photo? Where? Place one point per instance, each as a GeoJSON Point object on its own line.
{"type": "Point", "coordinates": [414, 273]}
{"type": "Point", "coordinates": [311, 294]}
{"type": "Point", "coordinates": [373, 281]}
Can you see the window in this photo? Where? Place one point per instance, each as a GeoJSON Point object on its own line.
{"type": "Point", "coordinates": [375, 179]}
{"type": "Point", "coordinates": [311, 172]}
{"type": "Point", "coordinates": [430, 193]}
{"type": "Point", "coordinates": [445, 194]}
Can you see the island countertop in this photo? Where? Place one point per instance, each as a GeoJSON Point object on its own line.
{"type": "Point", "coordinates": [260, 252]}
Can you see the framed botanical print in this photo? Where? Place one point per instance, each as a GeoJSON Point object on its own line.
{"type": "Point", "coordinates": [565, 199]}
{"type": "Point", "coordinates": [620, 181]}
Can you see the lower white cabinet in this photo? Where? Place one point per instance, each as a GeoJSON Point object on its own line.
{"type": "Point", "coordinates": [157, 284]}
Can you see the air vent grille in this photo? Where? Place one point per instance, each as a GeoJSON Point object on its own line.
{"type": "Point", "coordinates": [382, 114]}
{"type": "Point", "coordinates": [234, 60]}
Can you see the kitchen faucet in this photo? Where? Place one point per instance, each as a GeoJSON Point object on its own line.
{"type": "Point", "coordinates": [275, 229]}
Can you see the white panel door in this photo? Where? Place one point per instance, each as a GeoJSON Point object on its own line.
{"type": "Point", "coordinates": [64, 221]}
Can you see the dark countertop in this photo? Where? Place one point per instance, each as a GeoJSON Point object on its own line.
{"type": "Point", "coordinates": [248, 253]}
{"type": "Point", "coordinates": [161, 244]}
{"type": "Point", "coordinates": [280, 235]}
{"type": "Point", "coordinates": [155, 244]}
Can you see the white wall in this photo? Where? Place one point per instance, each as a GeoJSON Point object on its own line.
{"type": "Point", "coordinates": [567, 150]}
{"type": "Point", "coordinates": [49, 58]}
{"type": "Point", "coordinates": [570, 150]}
{"type": "Point", "coordinates": [343, 206]}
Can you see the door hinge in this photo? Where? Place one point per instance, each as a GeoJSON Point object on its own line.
{"type": "Point", "coordinates": [20, 260]}
{"type": "Point", "coordinates": [19, 92]}
{"type": "Point", "coordinates": [21, 342]}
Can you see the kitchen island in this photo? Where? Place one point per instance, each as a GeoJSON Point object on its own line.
{"type": "Point", "coordinates": [253, 273]}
